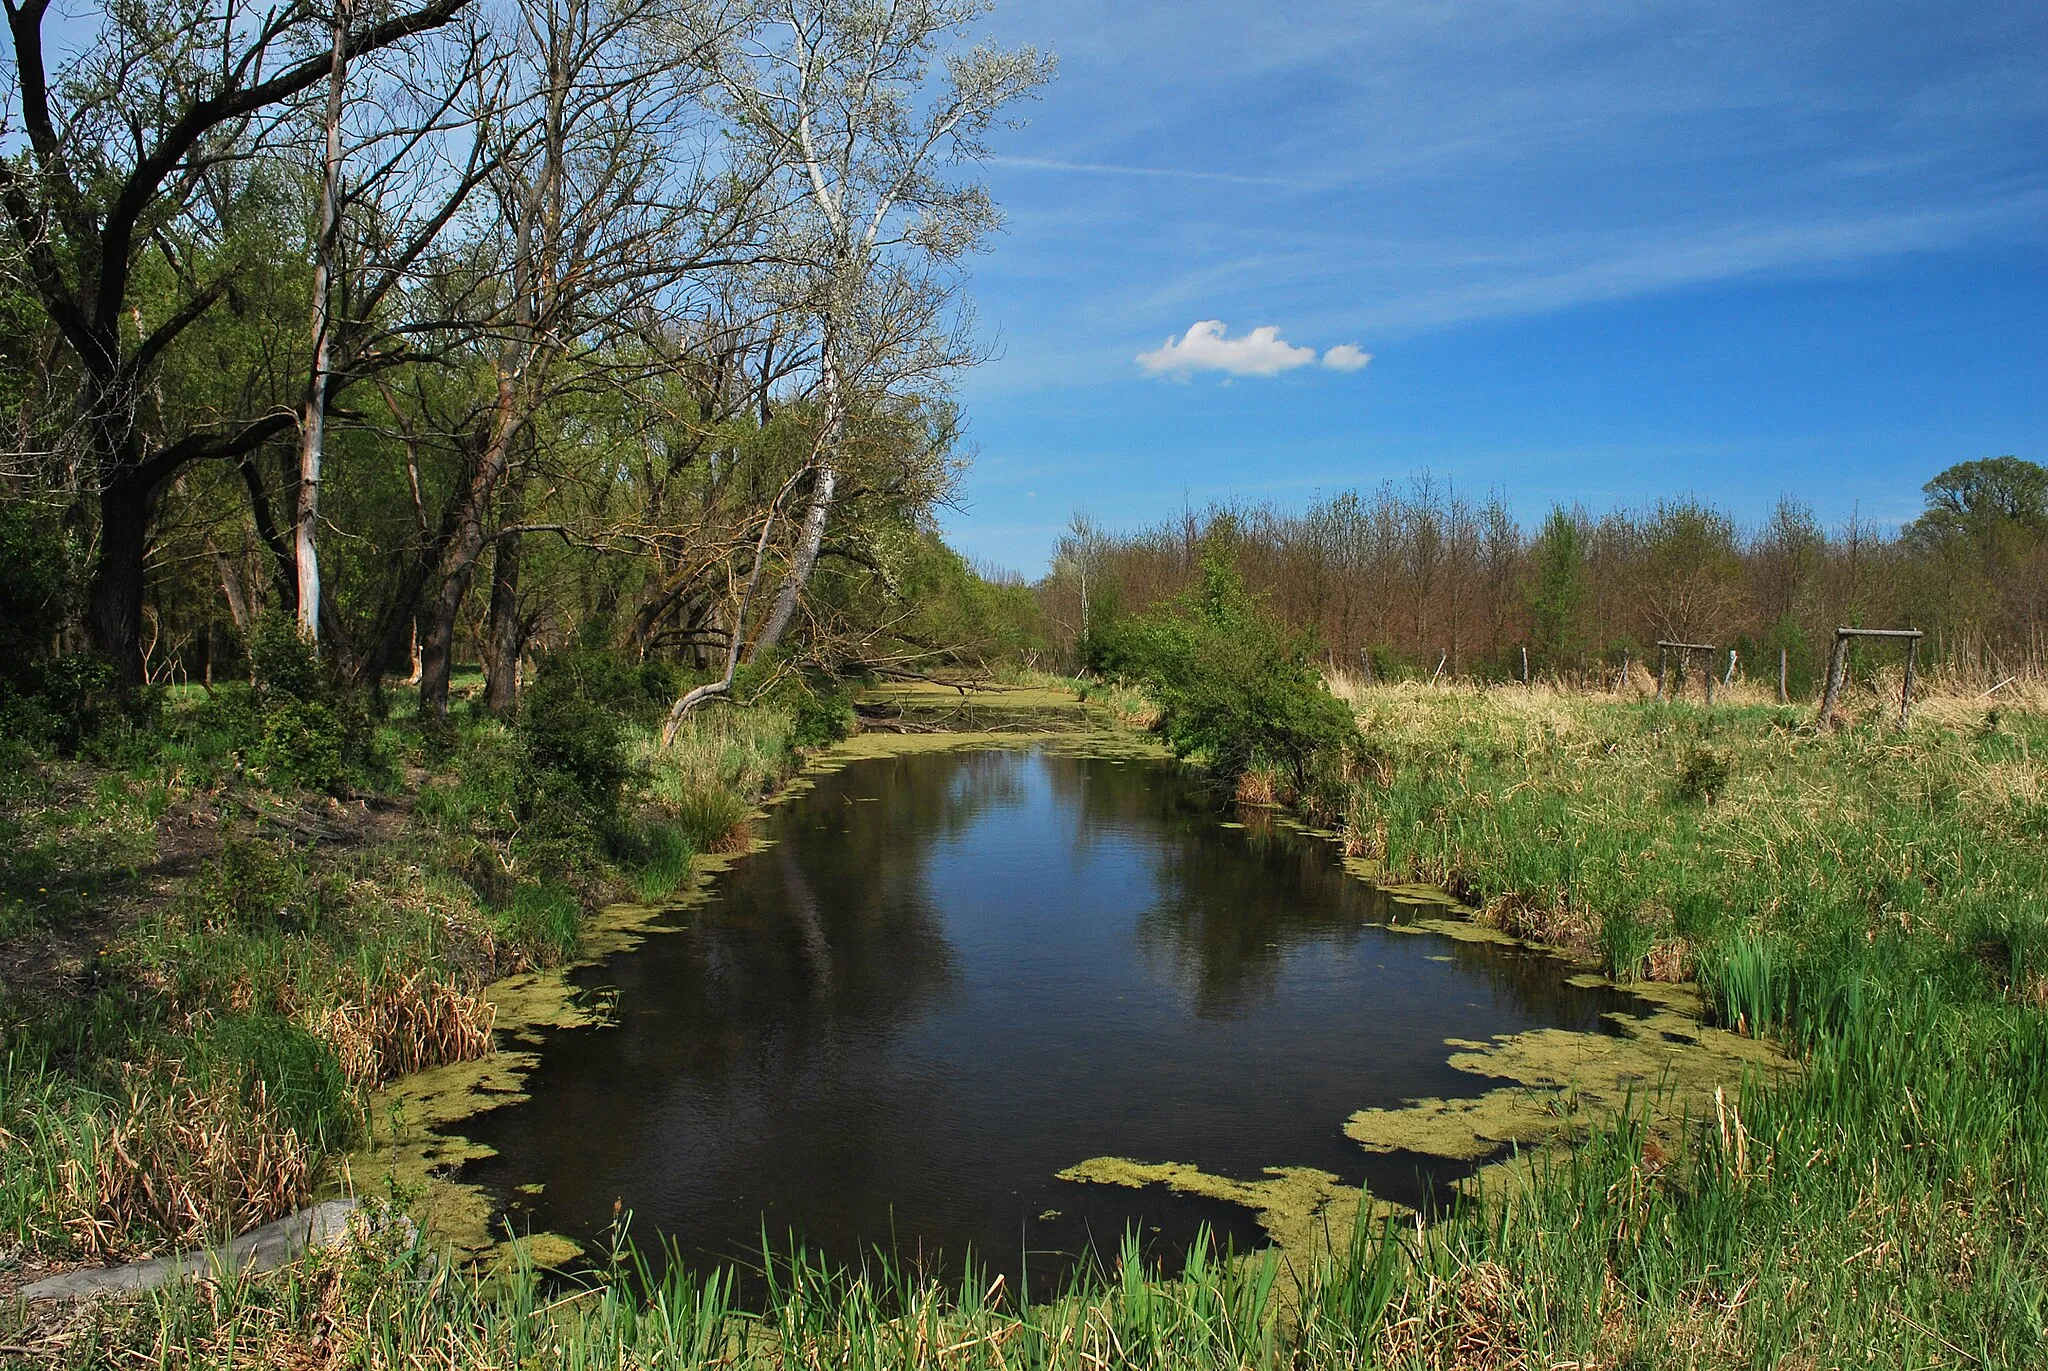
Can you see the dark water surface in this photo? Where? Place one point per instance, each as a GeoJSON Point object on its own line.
{"type": "Point", "coordinates": [952, 974]}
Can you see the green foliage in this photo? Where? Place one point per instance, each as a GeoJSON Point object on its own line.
{"type": "Point", "coordinates": [284, 665]}
{"type": "Point", "coordinates": [252, 885]}
{"type": "Point", "coordinates": [1747, 980]}
{"type": "Point", "coordinates": [298, 1070]}
{"type": "Point", "coordinates": [823, 713]}
{"type": "Point", "coordinates": [1625, 944]}
{"type": "Point", "coordinates": [47, 697]}
{"type": "Point", "coordinates": [569, 727]}
{"type": "Point", "coordinates": [544, 920]}
{"type": "Point", "coordinates": [1702, 774]}
{"type": "Point", "coordinates": [293, 726]}
{"type": "Point", "coordinates": [660, 860]}
{"type": "Point", "coordinates": [1559, 595]}
{"type": "Point", "coordinates": [1233, 684]}
{"type": "Point", "coordinates": [706, 818]}
{"type": "Point", "coordinates": [1976, 497]}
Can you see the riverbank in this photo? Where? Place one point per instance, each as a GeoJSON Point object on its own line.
{"type": "Point", "coordinates": [211, 971]}
{"type": "Point", "coordinates": [1869, 899]}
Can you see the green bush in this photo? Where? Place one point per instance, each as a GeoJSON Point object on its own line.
{"type": "Point", "coordinates": [48, 698]}
{"type": "Point", "coordinates": [823, 714]}
{"type": "Point", "coordinates": [293, 725]}
{"type": "Point", "coordinates": [566, 729]}
{"type": "Point", "coordinates": [1702, 776]}
{"type": "Point", "coordinates": [251, 885]}
{"type": "Point", "coordinates": [1234, 685]}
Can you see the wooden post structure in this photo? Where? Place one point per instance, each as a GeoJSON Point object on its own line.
{"type": "Point", "coordinates": [1525, 664]}
{"type": "Point", "coordinates": [1838, 669]}
{"type": "Point", "coordinates": [1365, 663]}
{"type": "Point", "coordinates": [1784, 661]}
{"type": "Point", "coordinates": [1684, 651]}
{"type": "Point", "coordinates": [1906, 692]}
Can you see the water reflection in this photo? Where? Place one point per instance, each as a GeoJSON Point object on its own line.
{"type": "Point", "coordinates": [952, 974]}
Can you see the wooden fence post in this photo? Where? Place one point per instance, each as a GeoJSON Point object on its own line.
{"type": "Point", "coordinates": [1906, 694]}
{"type": "Point", "coordinates": [1838, 664]}
{"type": "Point", "coordinates": [1663, 660]}
{"type": "Point", "coordinates": [1707, 660]}
{"type": "Point", "coordinates": [1784, 661]}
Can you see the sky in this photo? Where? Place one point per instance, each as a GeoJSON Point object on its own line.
{"type": "Point", "coordinates": [1593, 254]}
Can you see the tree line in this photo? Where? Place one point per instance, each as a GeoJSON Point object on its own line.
{"type": "Point", "coordinates": [1420, 579]}
{"type": "Point", "coordinates": [457, 329]}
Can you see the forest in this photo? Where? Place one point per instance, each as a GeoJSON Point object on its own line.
{"type": "Point", "coordinates": [464, 332]}
{"type": "Point", "coordinates": [1414, 578]}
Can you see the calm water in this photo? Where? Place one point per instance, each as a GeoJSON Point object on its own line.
{"type": "Point", "coordinates": [951, 975]}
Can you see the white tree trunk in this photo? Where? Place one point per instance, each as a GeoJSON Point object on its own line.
{"type": "Point", "coordinates": [822, 496]}
{"type": "Point", "coordinates": [313, 424]}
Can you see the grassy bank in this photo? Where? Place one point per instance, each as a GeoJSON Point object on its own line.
{"type": "Point", "coordinates": [209, 958]}
{"type": "Point", "coordinates": [1876, 899]}
{"type": "Point", "coordinates": [1870, 898]}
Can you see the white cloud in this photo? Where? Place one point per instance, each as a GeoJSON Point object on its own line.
{"type": "Point", "coordinates": [1262, 352]}
{"type": "Point", "coordinates": [1346, 357]}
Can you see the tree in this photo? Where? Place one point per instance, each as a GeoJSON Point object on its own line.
{"type": "Point", "coordinates": [1981, 494]}
{"type": "Point", "coordinates": [841, 95]}
{"type": "Point", "coordinates": [1559, 595]}
{"type": "Point", "coordinates": [608, 208]}
{"type": "Point", "coordinates": [123, 147]}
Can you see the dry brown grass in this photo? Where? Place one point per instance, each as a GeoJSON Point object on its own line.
{"type": "Point", "coordinates": [405, 1025]}
{"type": "Point", "coordinates": [179, 1165]}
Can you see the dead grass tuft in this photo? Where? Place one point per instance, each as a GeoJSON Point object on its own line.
{"type": "Point", "coordinates": [179, 1165]}
{"type": "Point", "coordinates": [405, 1025]}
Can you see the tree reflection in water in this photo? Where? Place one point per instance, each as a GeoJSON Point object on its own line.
{"type": "Point", "coordinates": [949, 975]}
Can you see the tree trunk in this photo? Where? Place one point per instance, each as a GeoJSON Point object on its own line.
{"type": "Point", "coordinates": [507, 633]}
{"type": "Point", "coordinates": [815, 518]}
{"type": "Point", "coordinates": [437, 650]}
{"type": "Point", "coordinates": [313, 422]}
{"type": "Point", "coordinates": [114, 603]}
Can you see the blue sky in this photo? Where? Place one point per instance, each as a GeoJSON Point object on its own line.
{"type": "Point", "coordinates": [1599, 253]}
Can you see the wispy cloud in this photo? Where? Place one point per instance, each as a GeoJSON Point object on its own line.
{"type": "Point", "coordinates": [1170, 173]}
{"type": "Point", "coordinates": [1262, 352]}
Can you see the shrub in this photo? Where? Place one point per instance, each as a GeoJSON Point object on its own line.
{"type": "Point", "coordinates": [1235, 685]}
{"type": "Point", "coordinates": [1703, 775]}
{"type": "Point", "coordinates": [250, 885]}
{"type": "Point", "coordinates": [565, 730]}
{"type": "Point", "coordinates": [823, 714]}
{"type": "Point", "coordinates": [47, 697]}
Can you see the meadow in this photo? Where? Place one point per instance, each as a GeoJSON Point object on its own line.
{"type": "Point", "coordinates": [1869, 897]}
